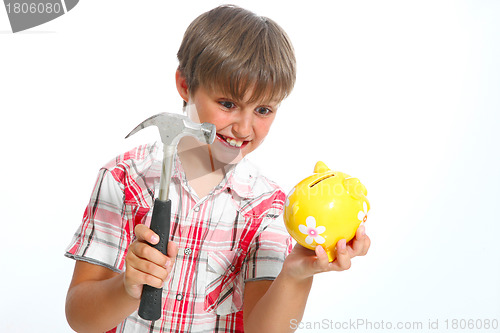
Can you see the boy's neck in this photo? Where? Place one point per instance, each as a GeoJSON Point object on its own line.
{"type": "Point", "coordinates": [202, 173]}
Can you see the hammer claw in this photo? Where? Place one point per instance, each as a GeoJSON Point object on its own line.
{"type": "Point", "coordinates": [173, 127]}
{"type": "Point", "coordinates": [146, 123]}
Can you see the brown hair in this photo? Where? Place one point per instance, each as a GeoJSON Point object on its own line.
{"type": "Point", "coordinates": [230, 49]}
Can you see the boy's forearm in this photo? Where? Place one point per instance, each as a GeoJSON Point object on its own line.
{"type": "Point", "coordinates": [98, 306]}
{"type": "Point", "coordinates": [284, 301]}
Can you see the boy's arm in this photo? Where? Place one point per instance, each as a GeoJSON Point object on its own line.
{"type": "Point", "coordinates": [99, 299]}
{"type": "Point", "coordinates": [269, 306]}
{"type": "Point", "coordinates": [272, 306]}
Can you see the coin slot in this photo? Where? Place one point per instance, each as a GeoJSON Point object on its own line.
{"type": "Point", "coordinates": [321, 179]}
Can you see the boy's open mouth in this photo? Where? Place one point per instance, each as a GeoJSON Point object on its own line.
{"type": "Point", "coordinates": [230, 142]}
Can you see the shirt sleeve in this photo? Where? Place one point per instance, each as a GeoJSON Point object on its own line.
{"type": "Point", "coordinates": [268, 250]}
{"type": "Point", "coordinates": [106, 229]}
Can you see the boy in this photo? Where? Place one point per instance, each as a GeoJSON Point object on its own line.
{"type": "Point", "coordinates": [225, 268]}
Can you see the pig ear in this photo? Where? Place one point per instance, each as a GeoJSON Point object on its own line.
{"type": "Point", "coordinates": [354, 187]}
{"type": "Point", "coordinates": [321, 167]}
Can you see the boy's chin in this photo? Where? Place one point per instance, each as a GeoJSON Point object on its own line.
{"type": "Point", "coordinates": [226, 155]}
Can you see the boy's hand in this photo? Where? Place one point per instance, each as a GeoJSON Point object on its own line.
{"type": "Point", "coordinates": [302, 263]}
{"type": "Point", "coordinates": [145, 264]}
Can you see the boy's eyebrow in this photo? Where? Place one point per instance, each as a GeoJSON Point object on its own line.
{"type": "Point", "coordinates": [273, 103]}
{"type": "Point", "coordinates": [221, 95]}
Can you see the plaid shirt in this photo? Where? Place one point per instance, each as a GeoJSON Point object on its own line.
{"type": "Point", "coordinates": [231, 236]}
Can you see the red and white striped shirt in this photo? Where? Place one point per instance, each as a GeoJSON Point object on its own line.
{"type": "Point", "coordinates": [231, 236]}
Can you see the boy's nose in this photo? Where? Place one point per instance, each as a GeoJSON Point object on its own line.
{"type": "Point", "coordinates": [242, 127]}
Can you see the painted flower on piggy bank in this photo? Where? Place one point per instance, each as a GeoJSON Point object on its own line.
{"type": "Point", "coordinates": [325, 208]}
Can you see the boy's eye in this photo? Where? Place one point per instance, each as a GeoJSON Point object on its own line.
{"type": "Point", "coordinates": [227, 104]}
{"type": "Point", "coordinates": [263, 111]}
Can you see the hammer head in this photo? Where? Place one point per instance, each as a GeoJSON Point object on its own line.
{"type": "Point", "coordinates": [173, 127]}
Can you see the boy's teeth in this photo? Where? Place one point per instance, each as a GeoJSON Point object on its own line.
{"type": "Point", "coordinates": [233, 142]}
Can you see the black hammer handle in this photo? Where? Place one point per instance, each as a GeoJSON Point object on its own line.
{"type": "Point", "coordinates": [150, 307]}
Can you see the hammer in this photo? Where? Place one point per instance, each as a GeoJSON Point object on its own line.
{"type": "Point", "coordinates": [172, 128]}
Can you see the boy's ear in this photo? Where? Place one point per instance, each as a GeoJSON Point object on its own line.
{"type": "Point", "coordinates": [182, 86]}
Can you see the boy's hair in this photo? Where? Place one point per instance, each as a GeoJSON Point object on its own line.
{"type": "Point", "coordinates": [230, 50]}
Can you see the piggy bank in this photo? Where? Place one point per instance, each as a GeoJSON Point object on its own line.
{"type": "Point", "coordinates": [325, 208]}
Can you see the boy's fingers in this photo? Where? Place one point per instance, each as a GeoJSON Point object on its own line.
{"type": "Point", "coordinates": [359, 244]}
{"type": "Point", "coordinates": [343, 261]}
{"type": "Point", "coordinates": [140, 277]}
{"type": "Point", "coordinates": [360, 232]}
{"type": "Point", "coordinates": [150, 268]}
{"type": "Point", "coordinates": [367, 245]}
{"type": "Point", "coordinates": [321, 259]}
{"type": "Point", "coordinates": [172, 250]}
{"type": "Point", "coordinates": [144, 234]}
{"type": "Point", "coordinates": [146, 252]}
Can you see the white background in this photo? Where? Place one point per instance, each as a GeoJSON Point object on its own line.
{"type": "Point", "coordinates": [401, 94]}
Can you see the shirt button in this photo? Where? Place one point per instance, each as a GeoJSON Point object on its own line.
{"type": "Point", "coordinates": [188, 251]}
{"type": "Point", "coordinates": [231, 268]}
{"type": "Point", "coordinates": [197, 209]}
{"type": "Point", "coordinates": [179, 297]}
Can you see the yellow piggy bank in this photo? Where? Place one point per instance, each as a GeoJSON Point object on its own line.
{"type": "Point", "coordinates": [325, 208]}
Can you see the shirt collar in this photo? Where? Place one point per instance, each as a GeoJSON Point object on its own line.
{"type": "Point", "coordinates": [177, 170]}
{"type": "Point", "coordinates": [240, 178]}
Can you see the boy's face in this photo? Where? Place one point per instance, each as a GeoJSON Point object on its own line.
{"type": "Point", "coordinates": [241, 126]}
